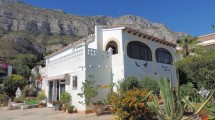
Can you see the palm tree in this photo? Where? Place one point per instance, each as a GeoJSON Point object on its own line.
{"type": "Point", "coordinates": [187, 45]}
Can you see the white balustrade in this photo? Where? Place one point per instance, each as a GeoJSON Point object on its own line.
{"type": "Point", "coordinates": [73, 61]}
{"type": "Point", "coordinates": [68, 57]}
{"type": "Point", "coordinates": [98, 53]}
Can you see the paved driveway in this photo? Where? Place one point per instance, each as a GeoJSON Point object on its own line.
{"type": "Point", "coordinates": [47, 114]}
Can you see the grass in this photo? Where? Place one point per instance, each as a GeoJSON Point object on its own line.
{"type": "Point", "coordinates": [32, 102]}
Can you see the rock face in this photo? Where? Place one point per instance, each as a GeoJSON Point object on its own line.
{"type": "Point", "coordinates": [18, 16]}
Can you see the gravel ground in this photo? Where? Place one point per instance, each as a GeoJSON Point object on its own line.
{"type": "Point", "coordinates": [48, 114]}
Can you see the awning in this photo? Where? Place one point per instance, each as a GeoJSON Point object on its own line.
{"type": "Point", "coordinates": [56, 77]}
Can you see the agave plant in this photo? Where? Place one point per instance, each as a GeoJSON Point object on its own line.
{"type": "Point", "coordinates": [173, 106]}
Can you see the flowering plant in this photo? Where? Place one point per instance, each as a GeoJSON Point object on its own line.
{"type": "Point", "coordinates": [131, 104]}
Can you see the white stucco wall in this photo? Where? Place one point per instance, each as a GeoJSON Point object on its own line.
{"type": "Point", "coordinates": [69, 88]}
{"type": "Point", "coordinates": [70, 62]}
{"type": "Point", "coordinates": [153, 68]}
{"type": "Point", "coordinates": [115, 34]}
{"type": "Point", "coordinates": [97, 44]}
{"type": "Point", "coordinates": [98, 64]}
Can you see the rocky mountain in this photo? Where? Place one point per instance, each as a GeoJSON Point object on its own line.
{"type": "Point", "coordinates": [28, 29]}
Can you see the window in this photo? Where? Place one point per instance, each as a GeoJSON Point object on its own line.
{"type": "Point", "coordinates": [75, 82]}
{"type": "Point", "coordinates": [113, 45]}
{"type": "Point", "coordinates": [163, 56]}
{"type": "Point", "coordinates": [139, 50]}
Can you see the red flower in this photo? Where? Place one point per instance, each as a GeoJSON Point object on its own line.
{"type": "Point", "coordinates": [4, 65]}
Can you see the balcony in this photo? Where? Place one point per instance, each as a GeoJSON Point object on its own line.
{"type": "Point", "coordinates": [76, 60]}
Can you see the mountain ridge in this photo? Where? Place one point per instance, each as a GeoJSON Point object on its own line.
{"type": "Point", "coordinates": [53, 29]}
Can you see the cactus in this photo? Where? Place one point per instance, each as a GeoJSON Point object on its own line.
{"type": "Point", "coordinates": [173, 106]}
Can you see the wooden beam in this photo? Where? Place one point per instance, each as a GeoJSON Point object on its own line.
{"type": "Point", "coordinates": [134, 33]}
{"type": "Point", "coordinates": [156, 40]}
{"type": "Point", "coordinates": [140, 34]}
{"type": "Point", "coordinates": [165, 43]}
{"type": "Point", "coordinates": [153, 38]}
{"type": "Point", "coordinates": [149, 37]}
{"type": "Point", "coordinates": [129, 31]}
{"type": "Point", "coordinates": [144, 36]}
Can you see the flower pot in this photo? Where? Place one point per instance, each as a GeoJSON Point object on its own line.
{"type": "Point", "coordinates": [41, 105]}
{"type": "Point", "coordinates": [70, 111]}
{"type": "Point", "coordinates": [59, 106]}
{"type": "Point", "coordinates": [63, 109]}
{"type": "Point", "coordinates": [75, 111]}
{"type": "Point", "coordinates": [98, 108]}
{"type": "Point", "coordinates": [111, 109]}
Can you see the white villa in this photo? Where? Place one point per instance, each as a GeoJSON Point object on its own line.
{"type": "Point", "coordinates": [110, 55]}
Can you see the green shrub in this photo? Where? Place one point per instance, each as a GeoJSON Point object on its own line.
{"type": "Point", "coordinates": [25, 90]}
{"type": "Point", "coordinates": [131, 105]}
{"type": "Point", "coordinates": [1, 90]}
{"type": "Point", "coordinates": [189, 90]}
{"type": "Point", "coordinates": [41, 96]}
{"type": "Point", "coordinates": [32, 93]}
{"type": "Point", "coordinates": [11, 83]}
{"type": "Point", "coordinates": [65, 98]}
{"type": "Point", "coordinates": [149, 84]}
{"type": "Point", "coordinates": [89, 91]}
{"type": "Point", "coordinates": [129, 83]}
{"type": "Point", "coordinates": [70, 108]}
{"type": "Point", "coordinates": [3, 97]}
{"type": "Point", "coordinates": [19, 99]}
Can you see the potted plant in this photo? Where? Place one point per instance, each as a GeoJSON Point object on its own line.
{"type": "Point", "coordinates": [107, 102]}
{"type": "Point", "coordinates": [65, 98]}
{"type": "Point", "coordinates": [98, 108]}
{"type": "Point", "coordinates": [54, 103]}
{"type": "Point", "coordinates": [70, 108]}
{"type": "Point", "coordinates": [41, 98]}
{"type": "Point", "coordinates": [59, 105]}
{"type": "Point", "coordinates": [89, 91]}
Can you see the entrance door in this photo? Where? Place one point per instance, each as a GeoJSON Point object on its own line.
{"type": "Point", "coordinates": [60, 88]}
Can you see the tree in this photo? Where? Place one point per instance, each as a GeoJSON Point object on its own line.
{"type": "Point", "coordinates": [199, 69]}
{"type": "Point", "coordinates": [11, 83]}
{"type": "Point", "coordinates": [36, 77]}
{"type": "Point", "coordinates": [187, 46]}
{"type": "Point", "coordinates": [21, 68]}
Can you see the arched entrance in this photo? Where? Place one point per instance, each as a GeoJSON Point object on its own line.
{"type": "Point", "coordinates": [113, 45]}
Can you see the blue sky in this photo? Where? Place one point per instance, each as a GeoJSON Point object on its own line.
{"type": "Point", "coordinates": [190, 16]}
